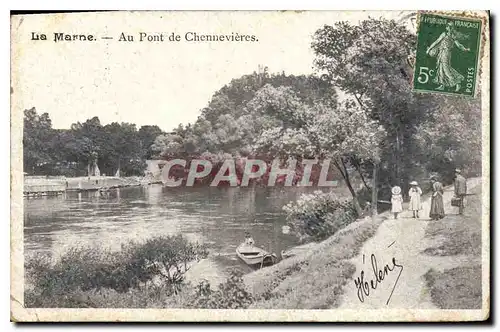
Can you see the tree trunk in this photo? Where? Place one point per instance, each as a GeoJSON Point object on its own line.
{"type": "Point", "coordinates": [374, 191]}
{"type": "Point", "coordinates": [343, 170]}
{"type": "Point", "coordinates": [358, 168]}
{"type": "Point", "coordinates": [397, 155]}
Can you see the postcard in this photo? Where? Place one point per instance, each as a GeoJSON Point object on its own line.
{"type": "Point", "coordinates": [250, 166]}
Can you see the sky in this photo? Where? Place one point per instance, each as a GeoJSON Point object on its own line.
{"type": "Point", "coordinates": [153, 83]}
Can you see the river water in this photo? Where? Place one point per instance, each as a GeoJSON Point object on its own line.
{"type": "Point", "coordinates": [217, 217]}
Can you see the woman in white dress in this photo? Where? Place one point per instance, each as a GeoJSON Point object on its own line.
{"type": "Point", "coordinates": [396, 201]}
{"type": "Point", "coordinates": [415, 203]}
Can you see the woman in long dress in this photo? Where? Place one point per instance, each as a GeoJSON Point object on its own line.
{"type": "Point", "coordinates": [396, 201]}
{"type": "Point", "coordinates": [437, 206]}
{"type": "Point", "coordinates": [415, 193]}
{"type": "Point", "coordinates": [446, 75]}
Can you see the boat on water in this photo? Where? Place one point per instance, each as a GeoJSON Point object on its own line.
{"type": "Point", "coordinates": [297, 250]}
{"type": "Point", "coordinates": [255, 256]}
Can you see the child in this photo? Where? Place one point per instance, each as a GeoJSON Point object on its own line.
{"type": "Point", "coordinates": [396, 201]}
{"type": "Point", "coordinates": [415, 193]}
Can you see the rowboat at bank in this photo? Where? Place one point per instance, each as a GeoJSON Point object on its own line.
{"type": "Point", "coordinates": [255, 256]}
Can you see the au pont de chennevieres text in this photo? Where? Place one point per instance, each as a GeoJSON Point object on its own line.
{"type": "Point", "coordinates": [146, 37]}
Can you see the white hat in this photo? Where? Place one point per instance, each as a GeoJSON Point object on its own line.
{"type": "Point", "coordinates": [413, 183]}
{"type": "Point", "coordinates": [396, 190]}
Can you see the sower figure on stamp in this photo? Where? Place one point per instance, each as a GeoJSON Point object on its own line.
{"type": "Point", "coordinates": [437, 205]}
{"type": "Point", "coordinates": [460, 189]}
{"type": "Point", "coordinates": [446, 75]}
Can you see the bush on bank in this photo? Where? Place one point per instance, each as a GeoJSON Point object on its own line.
{"type": "Point", "coordinates": [229, 295]}
{"type": "Point", "coordinates": [316, 216]}
{"type": "Point", "coordinates": [94, 269]}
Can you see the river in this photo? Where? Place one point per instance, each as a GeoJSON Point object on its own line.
{"type": "Point", "coordinates": [217, 217]}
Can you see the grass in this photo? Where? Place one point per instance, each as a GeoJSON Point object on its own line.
{"type": "Point", "coordinates": [315, 279]}
{"type": "Point", "coordinates": [465, 283]}
{"type": "Point", "coordinates": [457, 234]}
{"type": "Point", "coordinates": [452, 236]}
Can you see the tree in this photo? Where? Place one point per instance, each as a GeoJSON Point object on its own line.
{"type": "Point", "coordinates": [147, 136]}
{"type": "Point", "coordinates": [369, 62]}
{"type": "Point", "coordinates": [231, 123]}
{"type": "Point", "coordinates": [318, 131]}
{"type": "Point", "coordinates": [37, 135]}
{"type": "Point", "coordinates": [450, 138]}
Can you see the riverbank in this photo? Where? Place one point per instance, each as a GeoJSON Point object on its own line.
{"type": "Point", "coordinates": [457, 238]}
{"type": "Point", "coordinates": [413, 243]}
{"type": "Point", "coordinates": [313, 279]}
{"type": "Point", "coordinates": [39, 185]}
{"type": "Point", "coordinates": [322, 277]}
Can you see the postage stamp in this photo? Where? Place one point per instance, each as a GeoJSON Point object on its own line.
{"type": "Point", "coordinates": [249, 166]}
{"type": "Point", "coordinates": [447, 56]}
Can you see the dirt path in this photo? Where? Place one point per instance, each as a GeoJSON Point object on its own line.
{"type": "Point", "coordinates": [401, 239]}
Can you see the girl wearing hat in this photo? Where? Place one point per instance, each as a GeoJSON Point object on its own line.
{"type": "Point", "coordinates": [396, 201]}
{"type": "Point", "coordinates": [437, 206]}
{"type": "Point", "coordinates": [415, 193]}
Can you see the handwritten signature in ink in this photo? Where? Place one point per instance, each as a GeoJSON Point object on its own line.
{"type": "Point", "coordinates": [364, 287]}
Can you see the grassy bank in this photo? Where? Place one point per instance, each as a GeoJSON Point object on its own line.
{"type": "Point", "coordinates": [457, 235]}
{"type": "Point", "coordinates": [314, 279]}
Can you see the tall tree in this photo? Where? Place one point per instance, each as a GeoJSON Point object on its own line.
{"type": "Point", "coordinates": [147, 136]}
{"type": "Point", "coordinates": [319, 131]}
{"type": "Point", "coordinates": [369, 62]}
{"type": "Point", "coordinates": [37, 135]}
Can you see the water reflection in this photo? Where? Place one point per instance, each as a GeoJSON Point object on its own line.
{"type": "Point", "coordinates": [215, 216]}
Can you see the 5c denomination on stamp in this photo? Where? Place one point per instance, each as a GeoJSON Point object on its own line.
{"type": "Point", "coordinates": [447, 54]}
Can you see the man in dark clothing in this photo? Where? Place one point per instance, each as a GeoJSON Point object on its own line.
{"type": "Point", "coordinates": [460, 189]}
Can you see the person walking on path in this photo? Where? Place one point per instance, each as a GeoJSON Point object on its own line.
{"type": "Point", "coordinates": [396, 201]}
{"type": "Point", "coordinates": [460, 190]}
{"type": "Point", "coordinates": [415, 203]}
{"type": "Point", "coordinates": [437, 206]}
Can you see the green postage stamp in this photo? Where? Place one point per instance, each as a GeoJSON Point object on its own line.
{"type": "Point", "coordinates": [447, 54]}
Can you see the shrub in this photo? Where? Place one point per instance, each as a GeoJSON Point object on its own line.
{"type": "Point", "coordinates": [229, 295]}
{"type": "Point", "coordinates": [318, 215]}
{"type": "Point", "coordinates": [88, 269]}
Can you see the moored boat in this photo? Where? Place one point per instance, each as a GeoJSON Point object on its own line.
{"type": "Point", "coordinates": [255, 256]}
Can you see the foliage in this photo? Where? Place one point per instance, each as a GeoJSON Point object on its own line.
{"type": "Point", "coordinates": [338, 132]}
{"type": "Point", "coordinates": [318, 215]}
{"type": "Point", "coordinates": [116, 146]}
{"type": "Point", "coordinates": [36, 151]}
{"type": "Point", "coordinates": [233, 119]}
{"type": "Point", "coordinates": [137, 264]}
{"type": "Point", "coordinates": [370, 63]}
{"type": "Point", "coordinates": [229, 295]}
{"type": "Point", "coordinates": [451, 138]}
